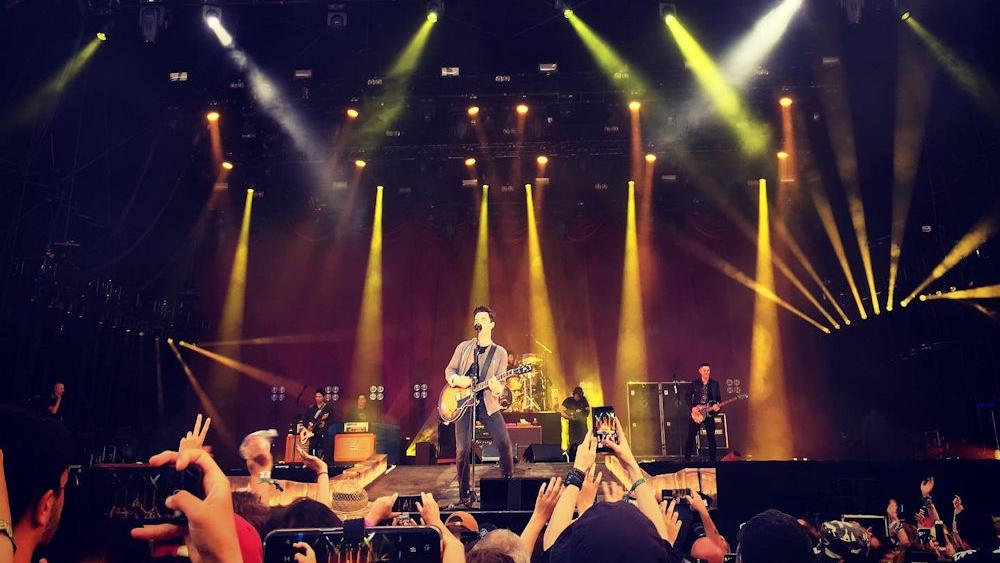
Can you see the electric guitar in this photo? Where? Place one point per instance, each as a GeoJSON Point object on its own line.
{"type": "Point", "coordinates": [700, 412]}
{"type": "Point", "coordinates": [455, 400]}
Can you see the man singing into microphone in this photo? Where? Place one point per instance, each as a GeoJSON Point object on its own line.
{"type": "Point", "coordinates": [464, 371]}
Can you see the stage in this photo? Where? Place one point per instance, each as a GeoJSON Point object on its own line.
{"type": "Point", "coordinates": [810, 489]}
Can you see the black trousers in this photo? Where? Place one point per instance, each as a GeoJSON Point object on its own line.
{"type": "Point", "coordinates": [693, 428]}
{"type": "Point", "coordinates": [463, 444]}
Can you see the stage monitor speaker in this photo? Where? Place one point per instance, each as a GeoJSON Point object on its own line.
{"type": "Point", "coordinates": [517, 493]}
{"type": "Point", "coordinates": [425, 454]}
{"type": "Point", "coordinates": [543, 452]}
{"type": "Point", "coordinates": [490, 453]}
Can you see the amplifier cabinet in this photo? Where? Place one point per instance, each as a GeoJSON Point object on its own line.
{"type": "Point", "coordinates": [353, 447]}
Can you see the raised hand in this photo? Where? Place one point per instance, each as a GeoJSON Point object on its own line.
{"type": "Point", "coordinates": [210, 533]}
{"type": "Point", "coordinates": [892, 510]}
{"type": "Point", "coordinates": [672, 520]}
{"type": "Point", "coordinates": [589, 491]}
{"type": "Point", "coordinates": [548, 495]}
{"type": "Point", "coordinates": [623, 452]}
{"type": "Point", "coordinates": [195, 438]}
{"type": "Point", "coordinates": [586, 453]}
{"type": "Point", "coordinates": [381, 510]}
{"type": "Point", "coordinates": [612, 490]}
{"type": "Point", "coordinates": [926, 486]}
{"type": "Point", "coordinates": [429, 510]}
{"type": "Point", "coordinates": [957, 504]}
{"type": "Point", "coordinates": [697, 503]}
{"type": "Point", "coordinates": [309, 556]}
{"type": "Point", "coordinates": [314, 463]}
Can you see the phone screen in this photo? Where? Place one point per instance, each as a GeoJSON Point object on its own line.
{"type": "Point", "coordinates": [604, 426]}
{"type": "Point", "coordinates": [939, 532]}
{"type": "Point", "coordinates": [419, 544]}
{"type": "Point", "coordinates": [924, 535]}
{"type": "Point", "coordinates": [406, 503]}
{"type": "Point", "coordinates": [135, 492]}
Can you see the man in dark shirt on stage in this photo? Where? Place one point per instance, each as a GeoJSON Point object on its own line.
{"type": "Point", "coordinates": [576, 409]}
{"type": "Point", "coordinates": [56, 407]}
{"type": "Point", "coordinates": [704, 391]}
{"type": "Point", "coordinates": [318, 414]}
{"type": "Point", "coordinates": [360, 412]}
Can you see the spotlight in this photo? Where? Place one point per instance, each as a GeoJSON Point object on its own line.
{"type": "Point", "coordinates": [473, 110]}
{"type": "Point", "coordinates": [434, 9]}
{"type": "Point", "coordinates": [360, 163]}
{"type": "Point", "coordinates": [470, 162]}
{"type": "Point", "coordinates": [905, 16]}
{"type": "Point", "coordinates": [543, 160]}
{"type": "Point", "coordinates": [102, 36]}
{"type": "Point", "coordinates": [650, 158]}
{"type": "Point", "coordinates": [227, 165]}
{"type": "Point", "coordinates": [151, 18]}
{"type": "Point", "coordinates": [353, 113]}
{"type": "Point", "coordinates": [212, 116]}
{"type": "Point", "coordinates": [213, 19]}
{"type": "Point", "coordinates": [634, 105]}
{"type": "Point", "coordinates": [923, 298]}
{"type": "Point", "coordinates": [522, 109]}
{"type": "Point", "coordinates": [567, 13]}
{"type": "Point", "coordinates": [782, 155]}
{"type": "Point", "coordinates": [785, 101]}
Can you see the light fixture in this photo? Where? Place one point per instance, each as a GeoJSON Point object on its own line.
{"type": "Point", "coordinates": [101, 36]}
{"type": "Point", "coordinates": [785, 101]}
{"type": "Point", "coordinates": [522, 109]}
{"type": "Point", "coordinates": [473, 111]}
{"type": "Point", "coordinates": [905, 15]}
{"type": "Point", "coordinates": [650, 158]}
{"type": "Point", "coordinates": [360, 163]}
{"type": "Point", "coordinates": [227, 165]}
{"type": "Point", "coordinates": [634, 105]}
{"type": "Point", "coordinates": [470, 162]}
{"type": "Point", "coordinates": [782, 155]}
{"type": "Point", "coordinates": [542, 159]}
{"type": "Point", "coordinates": [353, 113]}
{"type": "Point", "coordinates": [212, 116]}
{"type": "Point", "coordinates": [434, 10]}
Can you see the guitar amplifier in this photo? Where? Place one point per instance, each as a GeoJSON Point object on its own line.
{"type": "Point", "coordinates": [657, 415]}
{"type": "Point", "coordinates": [721, 434]}
{"type": "Point", "coordinates": [353, 447]}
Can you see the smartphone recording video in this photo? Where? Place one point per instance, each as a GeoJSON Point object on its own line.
{"type": "Point", "coordinates": [419, 544]}
{"type": "Point", "coordinates": [136, 492]}
{"type": "Point", "coordinates": [604, 427]}
{"type": "Point", "coordinates": [406, 503]}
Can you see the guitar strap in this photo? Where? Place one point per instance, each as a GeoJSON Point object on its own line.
{"type": "Point", "coordinates": [484, 368]}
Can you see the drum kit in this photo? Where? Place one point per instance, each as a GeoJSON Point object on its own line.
{"type": "Point", "coordinates": [530, 391]}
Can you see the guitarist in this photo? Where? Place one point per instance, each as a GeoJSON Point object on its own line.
{"type": "Point", "coordinates": [463, 371]}
{"type": "Point", "coordinates": [317, 419]}
{"type": "Point", "coordinates": [704, 391]}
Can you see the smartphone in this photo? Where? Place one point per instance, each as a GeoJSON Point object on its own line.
{"type": "Point", "coordinates": [923, 535]}
{"type": "Point", "coordinates": [406, 503]}
{"type": "Point", "coordinates": [939, 532]}
{"type": "Point", "coordinates": [419, 544]}
{"type": "Point", "coordinates": [135, 492]}
{"type": "Point", "coordinates": [604, 426]}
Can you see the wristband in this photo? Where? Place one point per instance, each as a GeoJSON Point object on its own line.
{"type": "Point", "coordinates": [327, 473]}
{"type": "Point", "coordinates": [629, 495]}
{"type": "Point", "coordinates": [575, 477]}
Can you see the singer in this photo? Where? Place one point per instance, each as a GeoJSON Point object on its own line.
{"type": "Point", "coordinates": [472, 361]}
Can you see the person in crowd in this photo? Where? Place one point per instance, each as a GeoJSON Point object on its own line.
{"type": "Point", "coordinates": [38, 451]}
{"type": "Point", "coordinates": [503, 542]}
{"type": "Point", "coordinates": [55, 406]}
{"type": "Point", "coordinates": [774, 537]}
{"type": "Point", "coordinates": [248, 505]}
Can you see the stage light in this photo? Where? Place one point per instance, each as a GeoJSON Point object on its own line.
{"type": "Point", "coordinates": [434, 9]}
{"type": "Point", "coordinates": [227, 165]}
{"type": "Point", "coordinates": [473, 111]}
{"type": "Point", "coordinates": [470, 162]}
{"type": "Point", "coordinates": [432, 17]}
{"type": "Point", "coordinates": [785, 101]}
{"type": "Point", "coordinates": [360, 163]}
{"type": "Point", "coordinates": [102, 36]}
{"type": "Point", "coordinates": [212, 116]}
{"type": "Point", "coordinates": [905, 15]}
{"type": "Point", "coordinates": [353, 113]}
{"type": "Point", "coordinates": [634, 105]}
{"type": "Point", "coordinates": [567, 13]}
{"type": "Point", "coordinates": [626, 80]}
{"type": "Point", "coordinates": [650, 158]}
{"type": "Point", "coordinates": [522, 109]}
{"type": "Point", "coordinates": [542, 159]}
{"type": "Point", "coordinates": [782, 155]}
{"type": "Point", "coordinates": [214, 22]}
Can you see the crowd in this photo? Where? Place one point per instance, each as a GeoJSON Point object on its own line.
{"type": "Point", "coordinates": [630, 522]}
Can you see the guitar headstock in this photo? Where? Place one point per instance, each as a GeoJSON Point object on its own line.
{"type": "Point", "coordinates": [521, 370]}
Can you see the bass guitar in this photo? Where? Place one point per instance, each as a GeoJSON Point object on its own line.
{"type": "Point", "coordinates": [455, 400]}
{"type": "Point", "coordinates": [700, 412]}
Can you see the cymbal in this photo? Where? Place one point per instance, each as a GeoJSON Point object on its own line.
{"type": "Point", "coordinates": [531, 360]}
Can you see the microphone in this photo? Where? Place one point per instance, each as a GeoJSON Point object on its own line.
{"type": "Point", "coordinates": [478, 327]}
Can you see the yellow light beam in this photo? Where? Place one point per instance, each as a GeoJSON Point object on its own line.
{"type": "Point", "coordinates": [481, 268]}
{"type": "Point", "coordinates": [367, 363]}
{"type": "Point", "coordinates": [753, 135]}
{"type": "Point", "coordinates": [833, 93]}
{"type": "Point", "coordinates": [769, 416]}
{"type": "Point", "coordinates": [986, 292]}
{"type": "Point", "coordinates": [310, 338]}
{"type": "Point", "coordinates": [231, 325]}
{"type": "Point", "coordinates": [218, 421]}
{"type": "Point", "coordinates": [980, 233]}
{"type": "Point", "coordinates": [631, 358]}
{"type": "Point", "coordinates": [800, 255]}
{"type": "Point", "coordinates": [383, 111]}
{"type": "Point", "coordinates": [822, 204]}
{"type": "Point", "coordinates": [542, 322]}
{"type": "Point", "coordinates": [913, 97]}
{"type": "Point", "coordinates": [262, 375]}
{"type": "Point", "coordinates": [614, 67]}
{"type": "Point", "coordinates": [49, 93]}
{"type": "Point", "coordinates": [971, 80]}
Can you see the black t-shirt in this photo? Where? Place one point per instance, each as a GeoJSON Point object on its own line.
{"type": "Point", "coordinates": [355, 414]}
{"type": "Point", "coordinates": [578, 411]}
{"type": "Point", "coordinates": [474, 368]}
